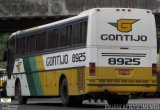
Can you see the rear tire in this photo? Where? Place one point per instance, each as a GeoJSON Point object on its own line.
{"type": "Point", "coordinates": [114, 99]}
{"type": "Point", "coordinates": [21, 99]}
{"type": "Point", "coordinates": [66, 99]}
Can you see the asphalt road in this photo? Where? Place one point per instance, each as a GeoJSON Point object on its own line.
{"type": "Point", "coordinates": [55, 104]}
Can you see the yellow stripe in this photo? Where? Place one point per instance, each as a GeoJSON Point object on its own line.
{"type": "Point", "coordinates": [42, 75]}
{"type": "Point", "coordinates": [39, 62]}
{"type": "Point", "coordinates": [51, 82]}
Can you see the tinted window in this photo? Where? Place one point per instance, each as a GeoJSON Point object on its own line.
{"type": "Point", "coordinates": [56, 38]}
{"type": "Point", "coordinates": [50, 38]}
{"type": "Point", "coordinates": [30, 43]}
{"type": "Point", "coordinates": [76, 34]}
{"type": "Point", "coordinates": [63, 40]}
{"type": "Point", "coordinates": [20, 46]}
{"type": "Point", "coordinates": [68, 35]}
{"type": "Point", "coordinates": [41, 41]}
{"type": "Point", "coordinates": [83, 31]}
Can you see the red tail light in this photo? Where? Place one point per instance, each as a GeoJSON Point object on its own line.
{"type": "Point", "coordinates": [92, 69]}
{"type": "Point", "coordinates": [154, 69]}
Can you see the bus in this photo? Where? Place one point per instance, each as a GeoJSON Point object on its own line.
{"type": "Point", "coordinates": [102, 53]}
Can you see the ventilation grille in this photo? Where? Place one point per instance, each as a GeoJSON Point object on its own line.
{"type": "Point", "coordinates": [81, 79]}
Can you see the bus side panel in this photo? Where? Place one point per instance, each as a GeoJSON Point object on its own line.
{"type": "Point", "coordinates": [10, 87]}
{"type": "Point", "coordinates": [41, 74]}
{"type": "Point", "coordinates": [24, 85]}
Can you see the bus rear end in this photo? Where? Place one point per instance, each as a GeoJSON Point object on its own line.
{"type": "Point", "coordinates": [124, 44]}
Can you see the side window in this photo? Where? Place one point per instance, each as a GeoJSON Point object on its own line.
{"type": "Point", "coordinates": [83, 32]}
{"type": "Point", "coordinates": [40, 41]}
{"type": "Point", "coordinates": [17, 46]}
{"type": "Point", "coordinates": [20, 46]}
{"type": "Point", "coordinates": [23, 45]}
{"type": "Point", "coordinates": [50, 37]}
{"type": "Point", "coordinates": [68, 35]}
{"type": "Point", "coordinates": [63, 39]}
{"type": "Point", "coordinates": [32, 43]}
{"type": "Point", "coordinates": [28, 44]}
{"type": "Point", "coordinates": [56, 38]}
{"type": "Point", "coordinates": [75, 33]}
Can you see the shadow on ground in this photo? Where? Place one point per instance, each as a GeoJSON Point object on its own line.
{"type": "Point", "coordinates": [60, 105]}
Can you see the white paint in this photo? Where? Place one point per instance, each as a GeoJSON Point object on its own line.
{"type": "Point", "coordinates": [69, 59]}
{"type": "Point", "coordinates": [18, 66]}
{"type": "Point", "coordinates": [122, 54]}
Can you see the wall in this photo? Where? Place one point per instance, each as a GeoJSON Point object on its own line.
{"type": "Point", "coordinates": [37, 8]}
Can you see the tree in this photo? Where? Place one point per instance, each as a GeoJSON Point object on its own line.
{"type": "Point", "coordinates": [3, 44]}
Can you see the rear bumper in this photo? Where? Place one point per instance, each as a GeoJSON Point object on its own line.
{"type": "Point", "coordinates": [123, 88]}
{"type": "Point", "coordinates": [140, 80]}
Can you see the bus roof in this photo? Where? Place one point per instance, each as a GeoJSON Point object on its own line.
{"type": "Point", "coordinates": [82, 15]}
{"type": "Point", "coordinates": [48, 26]}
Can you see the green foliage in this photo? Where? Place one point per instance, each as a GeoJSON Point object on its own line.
{"type": "Point", "coordinates": [3, 45]}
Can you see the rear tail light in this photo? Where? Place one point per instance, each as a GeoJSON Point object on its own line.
{"type": "Point", "coordinates": [92, 69]}
{"type": "Point", "coordinates": [154, 69]}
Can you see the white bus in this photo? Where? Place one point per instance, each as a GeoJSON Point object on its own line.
{"type": "Point", "coordinates": [105, 53]}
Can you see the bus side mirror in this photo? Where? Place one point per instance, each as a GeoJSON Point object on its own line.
{"type": "Point", "coordinates": [5, 55]}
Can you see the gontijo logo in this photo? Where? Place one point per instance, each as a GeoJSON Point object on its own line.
{"type": "Point", "coordinates": [19, 66]}
{"type": "Point", "coordinates": [124, 25]}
